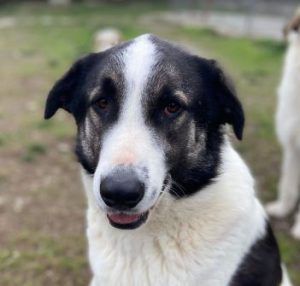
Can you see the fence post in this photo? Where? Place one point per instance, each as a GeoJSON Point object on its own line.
{"type": "Point", "coordinates": [250, 12]}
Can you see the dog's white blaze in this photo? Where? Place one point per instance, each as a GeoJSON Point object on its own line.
{"type": "Point", "coordinates": [130, 141]}
{"type": "Point", "coordinates": [139, 59]}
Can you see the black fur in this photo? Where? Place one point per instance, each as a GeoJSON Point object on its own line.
{"type": "Point", "coordinates": [69, 92]}
{"type": "Point", "coordinates": [212, 103]}
{"type": "Point", "coordinates": [73, 93]}
{"type": "Point", "coordinates": [261, 266]}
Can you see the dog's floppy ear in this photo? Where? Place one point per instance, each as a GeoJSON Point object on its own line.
{"type": "Point", "coordinates": [64, 91]}
{"type": "Point", "coordinates": [230, 108]}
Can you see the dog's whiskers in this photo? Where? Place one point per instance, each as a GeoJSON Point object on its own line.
{"type": "Point", "coordinates": [178, 186]}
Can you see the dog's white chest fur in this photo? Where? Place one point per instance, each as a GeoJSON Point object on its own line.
{"type": "Point", "coordinates": [198, 239]}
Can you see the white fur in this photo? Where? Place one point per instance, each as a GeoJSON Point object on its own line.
{"type": "Point", "coordinates": [285, 277]}
{"type": "Point", "coordinates": [130, 141]}
{"type": "Point", "coordinates": [184, 241]}
{"type": "Point", "coordinates": [288, 131]}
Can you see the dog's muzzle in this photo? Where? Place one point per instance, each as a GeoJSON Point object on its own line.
{"type": "Point", "coordinates": [121, 191]}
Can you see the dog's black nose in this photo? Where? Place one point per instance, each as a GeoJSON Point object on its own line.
{"type": "Point", "coordinates": [122, 190]}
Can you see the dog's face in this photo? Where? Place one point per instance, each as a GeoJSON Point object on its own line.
{"type": "Point", "coordinates": [293, 24]}
{"type": "Point", "coordinates": [150, 120]}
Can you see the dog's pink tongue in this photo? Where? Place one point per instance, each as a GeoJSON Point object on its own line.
{"type": "Point", "coordinates": [124, 218]}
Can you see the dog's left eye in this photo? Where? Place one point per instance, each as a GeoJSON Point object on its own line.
{"type": "Point", "coordinates": [172, 108]}
{"type": "Point", "coordinates": [102, 103]}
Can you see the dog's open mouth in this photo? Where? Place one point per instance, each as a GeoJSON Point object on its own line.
{"type": "Point", "coordinates": [127, 221]}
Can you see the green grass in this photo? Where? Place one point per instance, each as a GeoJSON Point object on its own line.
{"type": "Point", "coordinates": [35, 54]}
{"type": "Point", "coordinates": [40, 256]}
{"type": "Point", "coordinates": [33, 151]}
{"type": "Point", "coordinates": [59, 128]}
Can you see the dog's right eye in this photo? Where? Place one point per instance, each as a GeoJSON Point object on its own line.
{"type": "Point", "coordinates": [172, 109]}
{"type": "Point", "coordinates": [102, 103]}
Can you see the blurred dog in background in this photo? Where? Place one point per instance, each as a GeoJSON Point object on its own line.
{"type": "Point", "coordinates": [288, 128]}
{"type": "Point", "coordinates": [106, 38]}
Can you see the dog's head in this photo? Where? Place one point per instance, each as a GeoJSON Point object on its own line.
{"type": "Point", "coordinates": [150, 120]}
{"type": "Point", "coordinates": [293, 24]}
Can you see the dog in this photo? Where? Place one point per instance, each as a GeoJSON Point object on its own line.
{"type": "Point", "coordinates": [106, 38]}
{"type": "Point", "coordinates": [170, 202]}
{"type": "Point", "coordinates": [287, 127]}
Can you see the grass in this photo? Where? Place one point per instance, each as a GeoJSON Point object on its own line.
{"type": "Point", "coordinates": [32, 151]}
{"type": "Point", "coordinates": [57, 128]}
{"type": "Point", "coordinates": [44, 238]}
{"type": "Point", "coordinates": [25, 263]}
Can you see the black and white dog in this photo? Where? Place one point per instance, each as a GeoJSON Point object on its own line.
{"type": "Point", "coordinates": [170, 202]}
